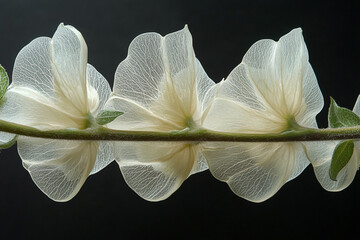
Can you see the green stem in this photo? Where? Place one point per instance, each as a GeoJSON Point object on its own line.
{"type": "Point", "coordinates": [197, 135]}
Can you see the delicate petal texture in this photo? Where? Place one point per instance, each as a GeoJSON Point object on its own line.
{"type": "Point", "coordinates": [321, 156]}
{"type": "Point", "coordinates": [59, 168]}
{"type": "Point", "coordinates": [155, 171]}
{"type": "Point", "coordinates": [98, 90]}
{"type": "Point", "coordinates": [160, 86]}
{"type": "Point", "coordinates": [28, 107]}
{"type": "Point", "coordinates": [5, 138]}
{"type": "Point", "coordinates": [68, 62]}
{"type": "Point", "coordinates": [254, 171]}
{"type": "Point", "coordinates": [356, 109]}
{"type": "Point", "coordinates": [274, 84]}
{"type": "Point", "coordinates": [32, 67]}
{"type": "Point", "coordinates": [105, 155]}
{"type": "Point", "coordinates": [54, 88]}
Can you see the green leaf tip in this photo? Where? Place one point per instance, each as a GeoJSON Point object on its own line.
{"type": "Point", "coordinates": [341, 117]}
{"type": "Point", "coordinates": [341, 156]}
{"type": "Point", "coordinates": [107, 116]}
{"type": "Point", "coordinates": [4, 81]}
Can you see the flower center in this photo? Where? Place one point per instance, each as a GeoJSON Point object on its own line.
{"type": "Point", "coordinates": [190, 123]}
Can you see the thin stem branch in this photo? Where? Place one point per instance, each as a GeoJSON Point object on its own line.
{"type": "Point", "coordinates": [197, 135]}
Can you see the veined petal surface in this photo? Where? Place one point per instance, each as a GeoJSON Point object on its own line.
{"type": "Point", "coordinates": [5, 138]}
{"type": "Point", "coordinates": [274, 84]}
{"type": "Point", "coordinates": [160, 86]}
{"type": "Point", "coordinates": [254, 171]}
{"type": "Point", "coordinates": [54, 88]}
{"type": "Point", "coordinates": [58, 167]}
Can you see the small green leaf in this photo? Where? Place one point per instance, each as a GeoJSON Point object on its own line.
{"type": "Point", "coordinates": [340, 158]}
{"type": "Point", "coordinates": [106, 116]}
{"type": "Point", "coordinates": [4, 81]}
{"type": "Point", "coordinates": [341, 117]}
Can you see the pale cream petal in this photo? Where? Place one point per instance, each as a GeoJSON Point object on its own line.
{"type": "Point", "coordinates": [254, 171]}
{"type": "Point", "coordinates": [291, 56]}
{"type": "Point", "coordinates": [229, 116]}
{"type": "Point", "coordinates": [58, 167]}
{"type": "Point", "coordinates": [32, 67]}
{"type": "Point", "coordinates": [136, 117]}
{"type": "Point", "coordinates": [98, 90]}
{"type": "Point", "coordinates": [276, 77]}
{"type": "Point", "coordinates": [138, 77]}
{"type": "Point", "coordinates": [356, 108]}
{"type": "Point", "coordinates": [153, 62]}
{"type": "Point", "coordinates": [273, 84]}
{"type": "Point", "coordinates": [206, 92]}
{"type": "Point", "coordinates": [162, 74]}
{"type": "Point", "coordinates": [155, 170]}
{"type": "Point", "coordinates": [160, 86]}
{"type": "Point", "coordinates": [105, 155]}
{"type": "Point", "coordinates": [5, 138]}
{"type": "Point", "coordinates": [24, 105]}
{"type": "Point", "coordinates": [200, 164]}
{"type": "Point", "coordinates": [301, 160]}
{"type": "Point", "coordinates": [68, 63]}
{"type": "Point", "coordinates": [320, 155]}
{"type": "Point", "coordinates": [313, 100]}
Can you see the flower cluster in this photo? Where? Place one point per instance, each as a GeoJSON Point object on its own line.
{"type": "Point", "coordinates": [162, 87]}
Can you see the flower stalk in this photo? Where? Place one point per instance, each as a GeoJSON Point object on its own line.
{"type": "Point", "coordinates": [198, 135]}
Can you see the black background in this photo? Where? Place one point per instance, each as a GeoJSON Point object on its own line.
{"type": "Point", "coordinates": [203, 207]}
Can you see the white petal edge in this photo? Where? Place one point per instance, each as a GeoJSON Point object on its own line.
{"type": "Point", "coordinates": [356, 108]}
{"type": "Point", "coordinates": [58, 167]}
{"type": "Point", "coordinates": [254, 171]}
{"type": "Point", "coordinates": [155, 170]}
{"type": "Point", "coordinates": [32, 67]}
{"type": "Point", "coordinates": [68, 54]}
{"type": "Point", "coordinates": [6, 138]}
{"type": "Point", "coordinates": [24, 105]}
{"type": "Point", "coordinates": [153, 60]}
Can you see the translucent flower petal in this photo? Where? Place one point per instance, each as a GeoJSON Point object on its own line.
{"type": "Point", "coordinates": [254, 171]}
{"type": "Point", "coordinates": [26, 106]}
{"type": "Point", "coordinates": [58, 167]}
{"type": "Point", "coordinates": [273, 84]}
{"type": "Point", "coordinates": [54, 88]}
{"type": "Point", "coordinates": [32, 67]}
{"type": "Point", "coordinates": [356, 108]}
{"type": "Point", "coordinates": [5, 138]}
{"type": "Point", "coordinates": [160, 86]}
{"type": "Point", "coordinates": [105, 155]}
{"type": "Point", "coordinates": [98, 90]}
{"type": "Point", "coordinates": [136, 117]}
{"type": "Point", "coordinates": [156, 170]}
{"type": "Point", "coordinates": [68, 56]}
{"type": "Point", "coordinates": [158, 66]}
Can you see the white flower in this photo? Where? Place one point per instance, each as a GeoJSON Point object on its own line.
{"type": "Point", "coordinates": [273, 85]}
{"type": "Point", "coordinates": [160, 86]}
{"type": "Point", "coordinates": [321, 155]}
{"type": "Point", "coordinates": [53, 88]}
